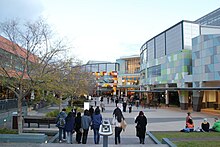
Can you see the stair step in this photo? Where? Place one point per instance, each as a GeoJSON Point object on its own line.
{"type": "Point", "coordinates": [125, 140]}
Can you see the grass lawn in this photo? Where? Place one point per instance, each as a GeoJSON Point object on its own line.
{"type": "Point", "coordinates": [192, 139]}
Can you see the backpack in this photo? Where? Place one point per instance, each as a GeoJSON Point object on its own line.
{"type": "Point", "coordinates": [61, 122]}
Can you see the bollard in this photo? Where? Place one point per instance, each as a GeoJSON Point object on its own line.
{"type": "Point", "coordinates": [105, 130]}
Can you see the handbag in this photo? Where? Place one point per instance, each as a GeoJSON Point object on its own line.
{"type": "Point", "coordinates": [123, 124]}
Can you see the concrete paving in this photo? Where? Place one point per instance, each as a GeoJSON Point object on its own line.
{"type": "Point", "coordinates": [160, 119]}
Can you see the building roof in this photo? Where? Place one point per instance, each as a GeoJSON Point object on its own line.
{"type": "Point", "coordinates": [15, 49]}
{"type": "Point", "coordinates": [97, 62]}
{"type": "Point", "coordinates": [188, 88]}
{"type": "Point", "coordinates": [208, 16]}
{"type": "Point", "coordinates": [131, 56]}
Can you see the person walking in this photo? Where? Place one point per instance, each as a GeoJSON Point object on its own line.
{"type": "Point", "coordinates": [102, 105]}
{"type": "Point", "coordinates": [130, 107]}
{"type": "Point", "coordinates": [91, 111]}
{"type": "Point", "coordinates": [69, 127]}
{"type": "Point", "coordinates": [96, 122]}
{"type": "Point", "coordinates": [78, 128]}
{"type": "Point", "coordinates": [124, 106]}
{"type": "Point", "coordinates": [117, 119]}
{"type": "Point", "coordinates": [61, 124]}
{"type": "Point", "coordinates": [141, 121]}
{"type": "Point", "coordinates": [86, 121]}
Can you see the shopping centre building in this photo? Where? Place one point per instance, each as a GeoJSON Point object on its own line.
{"type": "Point", "coordinates": [184, 62]}
{"type": "Point", "coordinates": [128, 75]}
{"type": "Point", "coordinates": [106, 76]}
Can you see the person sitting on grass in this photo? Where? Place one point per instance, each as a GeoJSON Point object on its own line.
{"type": "Point", "coordinates": [205, 126]}
{"type": "Point", "coordinates": [189, 126]}
{"type": "Point", "coordinates": [216, 126]}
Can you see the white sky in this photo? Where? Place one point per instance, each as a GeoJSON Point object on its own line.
{"type": "Point", "coordinates": [105, 30]}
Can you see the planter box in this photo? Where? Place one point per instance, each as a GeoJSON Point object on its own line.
{"type": "Point", "coordinates": [24, 137]}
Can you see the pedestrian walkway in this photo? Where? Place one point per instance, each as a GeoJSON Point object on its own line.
{"type": "Point", "coordinates": [160, 119]}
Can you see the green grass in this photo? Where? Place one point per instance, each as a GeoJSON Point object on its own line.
{"type": "Point", "coordinates": [193, 136]}
{"type": "Point", "coordinates": [197, 143]}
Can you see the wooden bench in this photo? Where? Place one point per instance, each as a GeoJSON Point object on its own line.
{"type": "Point", "coordinates": [40, 120]}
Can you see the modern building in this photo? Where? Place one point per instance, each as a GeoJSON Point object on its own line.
{"type": "Point", "coordinates": [213, 18]}
{"type": "Point", "coordinates": [166, 62]}
{"type": "Point", "coordinates": [128, 74]}
{"type": "Point", "coordinates": [106, 76]}
{"type": "Point", "coordinates": [206, 68]}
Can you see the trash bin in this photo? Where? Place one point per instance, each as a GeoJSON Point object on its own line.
{"type": "Point", "coordinates": [14, 120]}
{"type": "Point", "coordinates": [105, 130]}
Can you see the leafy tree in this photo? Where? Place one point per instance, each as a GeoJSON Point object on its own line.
{"type": "Point", "coordinates": [30, 57]}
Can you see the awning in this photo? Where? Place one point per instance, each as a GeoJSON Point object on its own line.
{"type": "Point", "coordinates": [105, 90]}
{"type": "Point", "coordinates": [188, 88]}
{"type": "Point", "coordinates": [145, 91]}
{"type": "Point", "coordinates": [128, 86]}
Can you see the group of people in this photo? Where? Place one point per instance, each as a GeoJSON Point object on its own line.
{"type": "Point", "coordinates": [71, 123]}
{"type": "Point", "coordinates": [205, 125]}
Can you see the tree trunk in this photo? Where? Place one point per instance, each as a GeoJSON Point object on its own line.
{"type": "Point", "coordinates": [60, 103]}
{"type": "Point", "coordinates": [20, 119]}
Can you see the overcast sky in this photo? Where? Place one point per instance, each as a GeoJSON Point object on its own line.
{"type": "Point", "coordinates": [105, 30]}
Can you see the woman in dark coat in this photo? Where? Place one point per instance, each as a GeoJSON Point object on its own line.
{"type": "Point", "coordinates": [69, 126]}
{"type": "Point", "coordinates": [141, 121]}
{"type": "Point", "coordinates": [78, 128]}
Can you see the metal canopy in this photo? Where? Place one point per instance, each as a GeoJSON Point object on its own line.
{"type": "Point", "coordinates": [128, 86]}
{"type": "Point", "coordinates": [188, 88]}
{"type": "Point", "coordinates": [142, 91]}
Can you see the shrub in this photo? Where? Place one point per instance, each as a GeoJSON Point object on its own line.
{"type": "Point", "coordinates": [8, 131]}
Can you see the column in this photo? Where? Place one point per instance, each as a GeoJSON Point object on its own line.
{"type": "Point", "coordinates": [183, 96]}
{"type": "Point", "coordinates": [197, 97]}
{"type": "Point", "coordinates": [197, 100]}
{"type": "Point", "coordinates": [183, 99]}
{"type": "Point", "coordinates": [167, 96]}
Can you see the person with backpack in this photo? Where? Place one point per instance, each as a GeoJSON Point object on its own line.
{"type": "Point", "coordinates": [61, 124]}
{"type": "Point", "coordinates": [69, 126]}
{"type": "Point", "coordinates": [86, 121]}
{"type": "Point", "coordinates": [96, 122]}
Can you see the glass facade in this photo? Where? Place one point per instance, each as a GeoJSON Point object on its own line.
{"type": "Point", "coordinates": [160, 45]}
{"type": "Point", "coordinates": [167, 57]}
{"type": "Point", "coordinates": [190, 31]}
{"type": "Point", "coordinates": [100, 67]}
{"type": "Point", "coordinates": [129, 73]}
{"type": "Point", "coordinates": [174, 39]}
{"type": "Point", "coordinates": [154, 71]}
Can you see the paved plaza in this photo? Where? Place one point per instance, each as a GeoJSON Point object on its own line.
{"type": "Point", "coordinates": [160, 119]}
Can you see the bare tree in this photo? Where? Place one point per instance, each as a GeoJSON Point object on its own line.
{"type": "Point", "coordinates": [31, 56]}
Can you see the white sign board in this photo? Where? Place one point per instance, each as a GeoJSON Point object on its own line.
{"type": "Point", "coordinates": [86, 105]}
